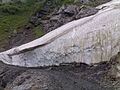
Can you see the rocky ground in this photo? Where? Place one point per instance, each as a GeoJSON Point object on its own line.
{"type": "Point", "coordinates": [65, 77]}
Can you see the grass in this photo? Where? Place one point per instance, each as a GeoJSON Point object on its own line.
{"type": "Point", "coordinates": [71, 2]}
{"type": "Point", "coordinates": [9, 22]}
{"type": "Point", "coordinates": [16, 14]}
{"type": "Point", "coordinates": [39, 31]}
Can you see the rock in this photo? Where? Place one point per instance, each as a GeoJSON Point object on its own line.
{"type": "Point", "coordinates": [64, 77]}
{"type": "Point", "coordinates": [55, 18]}
{"type": "Point", "coordinates": [25, 87]}
{"type": "Point", "coordinates": [69, 10]}
{"type": "Point", "coordinates": [15, 31]}
{"type": "Point", "coordinates": [65, 14]}
{"type": "Point", "coordinates": [116, 66]}
{"type": "Point", "coordinates": [8, 74]}
{"type": "Point", "coordinates": [33, 19]}
{"type": "Point", "coordinates": [114, 70]}
{"type": "Point", "coordinates": [86, 11]}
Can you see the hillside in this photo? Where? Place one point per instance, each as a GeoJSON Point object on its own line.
{"type": "Point", "coordinates": [22, 22]}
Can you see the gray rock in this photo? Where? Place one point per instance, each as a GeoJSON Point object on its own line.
{"type": "Point", "coordinates": [70, 10]}
{"type": "Point", "coordinates": [23, 87]}
{"type": "Point", "coordinates": [86, 11]}
{"type": "Point", "coordinates": [65, 14]}
{"type": "Point", "coordinates": [65, 77]}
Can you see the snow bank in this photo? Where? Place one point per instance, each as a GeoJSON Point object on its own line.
{"type": "Point", "coordinates": [89, 40]}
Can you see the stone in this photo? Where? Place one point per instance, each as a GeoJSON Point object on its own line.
{"type": "Point", "coordinates": [65, 14]}
{"type": "Point", "coordinates": [86, 11]}
{"type": "Point", "coordinates": [15, 31]}
{"type": "Point", "coordinates": [70, 10]}
{"type": "Point", "coordinates": [118, 66]}
{"type": "Point", "coordinates": [63, 77]}
{"type": "Point", "coordinates": [24, 87]}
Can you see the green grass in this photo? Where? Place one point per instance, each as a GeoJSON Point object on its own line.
{"type": "Point", "coordinates": [71, 2]}
{"type": "Point", "coordinates": [39, 31]}
{"type": "Point", "coordinates": [16, 14]}
{"type": "Point", "coordinates": [10, 22]}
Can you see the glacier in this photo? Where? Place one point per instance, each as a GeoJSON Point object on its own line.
{"type": "Point", "coordinates": [88, 40]}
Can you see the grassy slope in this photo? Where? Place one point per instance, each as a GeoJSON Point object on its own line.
{"type": "Point", "coordinates": [16, 14]}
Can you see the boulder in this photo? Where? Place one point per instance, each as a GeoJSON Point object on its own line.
{"type": "Point", "coordinates": [65, 14]}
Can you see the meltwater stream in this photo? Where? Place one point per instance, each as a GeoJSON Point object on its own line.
{"type": "Point", "coordinates": [89, 40]}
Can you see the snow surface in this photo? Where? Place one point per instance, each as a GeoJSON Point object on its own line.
{"type": "Point", "coordinates": [88, 40]}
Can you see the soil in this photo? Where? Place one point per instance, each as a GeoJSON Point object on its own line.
{"type": "Point", "coordinates": [72, 76]}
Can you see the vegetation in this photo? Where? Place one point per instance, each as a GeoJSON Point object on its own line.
{"type": "Point", "coordinates": [38, 31]}
{"type": "Point", "coordinates": [17, 13]}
